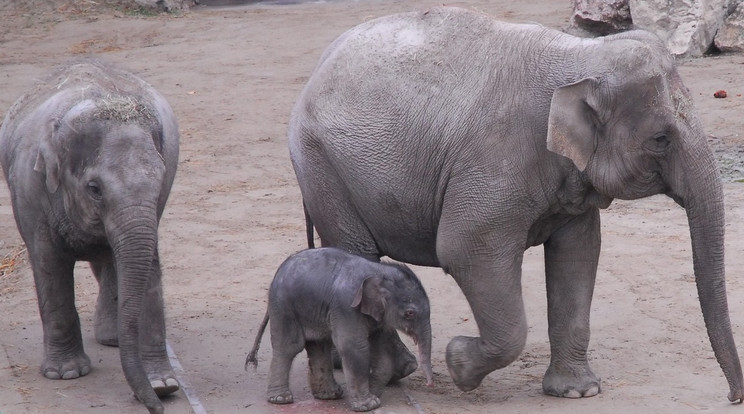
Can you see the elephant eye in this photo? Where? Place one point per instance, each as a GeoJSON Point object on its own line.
{"type": "Point", "coordinates": [410, 314]}
{"type": "Point", "coordinates": [658, 144]}
{"type": "Point", "coordinates": [94, 190]}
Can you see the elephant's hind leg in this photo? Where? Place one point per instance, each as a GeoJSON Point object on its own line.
{"type": "Point", "coordinates": [329, 204]}
{"type": "Point", "coordinates": [571, 257]}
{"type": "Point", "coordinates": [106, 325]}
{"type": "Point", "coordinates": [287, 340]}
{"type": "Point", "coordinates": [322, 383]}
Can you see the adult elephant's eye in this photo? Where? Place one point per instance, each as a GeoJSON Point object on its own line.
{"type": "Point", "coordinates": [94, 190]}
{"type": "Point", "coordinates": [410, 314]}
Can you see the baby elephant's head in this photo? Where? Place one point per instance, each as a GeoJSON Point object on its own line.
{"type": "Point", "coordinates": [396, 298]}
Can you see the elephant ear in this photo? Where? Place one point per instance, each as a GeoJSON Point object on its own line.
{"type": "Point", "coordinates": [47, 159]}
{"type": "Point", "coordinates": [572, 122]}
{"type": "Point", "coordinates": [370, 298]}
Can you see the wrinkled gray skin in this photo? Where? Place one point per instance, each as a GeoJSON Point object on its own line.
{"type": "Point", "coordinates": [444, 138]}
{"type": "Point", "coordinates": [325, 297]}
{"type": "Point", "coordinates": [89, 156]}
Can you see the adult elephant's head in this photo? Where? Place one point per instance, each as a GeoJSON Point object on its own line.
{"type": "Point", "coordinates": [632, 130]}
{"type": "Point", "coordinates": [102, 161]}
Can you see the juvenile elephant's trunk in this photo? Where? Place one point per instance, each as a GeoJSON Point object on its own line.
{"type": "Point", "coordinates": [132, 233]}
{"type": "Point", "coordinates": [702, 198]}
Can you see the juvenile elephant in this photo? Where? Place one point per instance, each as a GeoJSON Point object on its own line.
{"type": "Point", "coordinates": [325, 297]}
{"type": "Point", "coordinates": [89, 156]}
{"type": "Point", "coordinates": [445, 138]}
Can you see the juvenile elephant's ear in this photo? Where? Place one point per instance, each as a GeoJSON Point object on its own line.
{"type": "Point", "coordinates": [370, 298]}
{"type": "Point", "coordinates": [47, 159]}
{"type": "Point", "coordinates": [571, 123]}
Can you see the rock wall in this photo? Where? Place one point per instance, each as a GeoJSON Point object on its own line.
{"type": "Point", "coordinates": [689, 27]}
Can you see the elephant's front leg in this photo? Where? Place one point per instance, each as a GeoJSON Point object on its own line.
{"type": "Point", "coordinates": [355, 357]}
{"type": "Point", "coordinates": [64, 357]}
{"type": "Point", "coordinates": [494, 292]}
{"type": "Point", "coordinates": [488, 270]}
{"type": "Point", "coordinates": [571, 257]}
{"type": "Point", "coordinates": [152, 335]}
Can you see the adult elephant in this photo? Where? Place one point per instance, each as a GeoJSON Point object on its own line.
{"type": "Point", "coordinates": [90, 155]}
{"type": "Point", "coordinates": [445, 138]}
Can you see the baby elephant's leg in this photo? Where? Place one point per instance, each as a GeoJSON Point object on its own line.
{"type": "Point", "coordinates": [356, 362]}
{"type": "Point", "coordinates": [287, 340]}
{"type": "Point", "coordinates": [322, 383]}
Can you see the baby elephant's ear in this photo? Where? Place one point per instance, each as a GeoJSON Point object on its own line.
{"type": "Point", "coordinates": [47, 159]}
{"type": "Point", "coordinates": [370, 298]}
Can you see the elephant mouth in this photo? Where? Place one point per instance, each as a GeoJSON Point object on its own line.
{"type": "Point", "coordinates": [412, 335]}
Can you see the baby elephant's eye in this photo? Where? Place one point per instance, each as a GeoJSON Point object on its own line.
{"type": "Point", "coordinates": [94, 189]}
{"type": "Point", "coordinates": [410, 314]}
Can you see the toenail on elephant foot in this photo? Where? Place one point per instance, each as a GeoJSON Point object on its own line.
{"type": "Point", "coordinates": [74, 368]}
{"type": "Point", "coordinates": [567, 383]}
{"type": "Point", "coordinates": [283, 398]}
{"type": "Point", "coordinates": [465, 373]}
{"type": "Point", "coordinates": [164, 387]}
{"type": "Point", "coordinates": [365, 404]}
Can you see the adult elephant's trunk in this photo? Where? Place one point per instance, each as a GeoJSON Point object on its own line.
{"type": "Point", "coordinates": [701, 194]}
{"type": "Point", "coordinates": [132, 233]}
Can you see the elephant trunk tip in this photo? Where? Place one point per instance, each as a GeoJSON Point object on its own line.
{"type": "Point", "coordinates": [429, 374]}
{"type": "Point", "coordinates": [736, 396]}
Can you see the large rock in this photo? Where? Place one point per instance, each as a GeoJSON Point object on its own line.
{"type": "Point", "coordinates": [687, 26]}
{"type": "Point", "coordinates": [601, 17]}
{"type": "Point", "coordinates": [731, 36]}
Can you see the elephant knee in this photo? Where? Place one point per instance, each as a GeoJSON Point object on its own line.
{"type": "Point", "coordinates": [504, 349]}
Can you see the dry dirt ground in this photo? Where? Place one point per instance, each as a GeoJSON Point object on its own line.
{"type": "Point", "coordinates": [235, 213]}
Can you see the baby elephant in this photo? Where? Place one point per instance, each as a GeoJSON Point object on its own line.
{"type": "Point", "coordinates": [325, 297]}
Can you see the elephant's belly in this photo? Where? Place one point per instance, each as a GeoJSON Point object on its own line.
{"type": "Point", "coordinates": [413, 250]}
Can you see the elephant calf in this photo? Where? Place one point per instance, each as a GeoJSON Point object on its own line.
{"type": "Point", "coordinates": [89, 156]}
{"type": "Point", "coordinates": [325, 297]}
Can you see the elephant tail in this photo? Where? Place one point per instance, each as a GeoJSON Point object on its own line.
{"type": "Point", "coordinates": [252, 358]}
{"type": "Point", "coordinates": [308, 228]}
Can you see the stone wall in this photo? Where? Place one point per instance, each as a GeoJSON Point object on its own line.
{"type": "Point", "coordinates": [689, 27]}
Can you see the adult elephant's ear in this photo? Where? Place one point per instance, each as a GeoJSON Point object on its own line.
{"type": "Point", "coordinates": [47, 159]}
{"type": "Point", "coordinates": [370, 298]}
{"type": "Point", "coordinates": [572, 122]}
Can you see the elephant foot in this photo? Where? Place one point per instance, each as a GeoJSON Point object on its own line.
{"type": "Point", "coordinates": [77, 366]}
{"type": "Point", "coordinates": [106, 325]}
{"type": "Point", "coordinates": [405, 362]}
{"type": "Point", "coordinates": [570, 382]}
{"type": "Point", "coordinates": [334, 392]}
{"type": "Point", "coordinates": [366, 403]}
{"type": "Point", "coordinates": [162, 378]}
{"type": "Point", "coordinates": [284, 397]}
{"type": "Point", "coordinates": [466, 373]}
{"type": "Point", "coordinates": [106, 334]}
{"type": "Point", "coordinates": [164, 386]}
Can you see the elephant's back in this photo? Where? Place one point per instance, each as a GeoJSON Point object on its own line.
{"type": "Point", "coordinates": [436, 75]}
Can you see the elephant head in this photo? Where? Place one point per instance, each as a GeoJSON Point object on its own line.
{"type": "Point", "coordinates": [102, 159]}
{"type": "Point", "coordinates": [631, 129]}
{"type": "Point", "coordinates": [399, 302]}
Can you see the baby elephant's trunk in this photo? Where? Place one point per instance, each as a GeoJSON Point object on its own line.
{"type": "Point", "coordinates": [424, 351]}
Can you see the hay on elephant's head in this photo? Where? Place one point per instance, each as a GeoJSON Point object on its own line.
{"type": "Point", "coordinates": [123, 109]}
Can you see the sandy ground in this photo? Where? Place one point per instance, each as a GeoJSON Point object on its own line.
{"type": "Point", "coordinates": [234, 214]}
